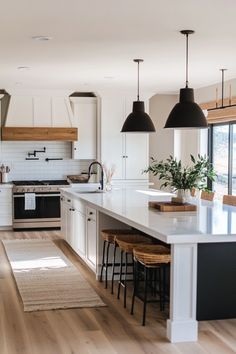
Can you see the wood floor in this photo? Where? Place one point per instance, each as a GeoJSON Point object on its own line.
{"type": "Point", "coordinates": [108, 330]}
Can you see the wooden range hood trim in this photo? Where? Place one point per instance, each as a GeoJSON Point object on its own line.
{"type": "Point", "coordinates": [39, 134]}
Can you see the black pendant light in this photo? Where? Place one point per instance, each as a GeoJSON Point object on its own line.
{"type": "Point", "coordinates": [186, 113]}
{"type": "Point", "coordinates": [138, 121]}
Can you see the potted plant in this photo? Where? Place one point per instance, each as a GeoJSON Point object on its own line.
{"type": "Point", "coordinates": [183, 179]}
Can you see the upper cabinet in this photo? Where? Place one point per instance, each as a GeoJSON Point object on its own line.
{"type": "Point", "coordinates": [85, 110]}
{"type": "Point", "coordinates": [39, 111]}
{"type": "Point", "coordinates": [128, 152]}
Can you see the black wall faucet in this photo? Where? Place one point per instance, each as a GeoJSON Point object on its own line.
{"type": "Point", "coordinates": [35, 152]}
{"type": "Point", "coordinates": [102, 173]}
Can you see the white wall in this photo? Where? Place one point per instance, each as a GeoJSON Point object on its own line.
{"type": "Point", "coordinates": [163, 142]}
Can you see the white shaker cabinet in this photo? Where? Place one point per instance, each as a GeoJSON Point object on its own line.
{"type": "Point", "coordinates": [91, 237]}
{"type": "Point", "coordinates": [136, 156]}
{"type": "Point", "coordinates": [79, 242]}
{"type": "Point", "coordinates": [112, 141]}
{"type": "Point", "coordinates": [67, 226]}
{"type": "Point", "coordinates": [76, 230]}
{"type": "Point", "coordinates": [129, 152]}
{"type": "Point", "coordinates": [5, 206]}
{"type": "Point", "coordinates": [85, 116]}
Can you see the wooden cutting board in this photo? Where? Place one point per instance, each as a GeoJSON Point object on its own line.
{"type": "Point", "coordinates": [170, 206]}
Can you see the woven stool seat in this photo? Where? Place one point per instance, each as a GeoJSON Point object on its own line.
{"type": "Point", "coordinates": [128, 242]}
{"type": "Point", "coordinates": [152, 255]}
{"type": "Point", "coordinates": [109, 235]}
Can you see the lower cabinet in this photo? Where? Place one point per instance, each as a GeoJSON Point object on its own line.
{"type": "Point", "coordinates": [91, 237]}
{"type": "Point", "coordinates": [79, 222]}
{"type": "Point", "coordinates": [79, 229]}
{"type": "Point", "coordinates": [5, 207]}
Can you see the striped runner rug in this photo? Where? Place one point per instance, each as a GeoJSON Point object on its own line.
{"type": "Point", "coordinates": [45, 277]}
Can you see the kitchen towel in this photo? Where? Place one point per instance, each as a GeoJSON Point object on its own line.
{"type": "Point", "coordinates": [30, 201]}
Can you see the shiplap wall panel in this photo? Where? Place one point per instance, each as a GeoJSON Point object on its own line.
{"type": "Point", "coordinates": [13, 154]}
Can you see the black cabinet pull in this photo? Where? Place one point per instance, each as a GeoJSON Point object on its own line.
{"type": "Point", "coordinates": [89, 219]}
{"type": "Point", "coordinates": [91, 213]}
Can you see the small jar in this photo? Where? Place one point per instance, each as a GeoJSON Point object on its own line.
{"type": "Point", "coordinates": [4, 177]}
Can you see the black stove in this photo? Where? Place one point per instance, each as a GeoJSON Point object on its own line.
{"type": "Point", "coordinates": [36, 204]}
{"type": "Point", "coordinates": [57, 182]}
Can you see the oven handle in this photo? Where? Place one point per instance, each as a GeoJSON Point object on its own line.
{"type": "Point", "coordinates": [36, 195]}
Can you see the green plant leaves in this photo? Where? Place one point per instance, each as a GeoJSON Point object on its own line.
{"type": "Point", "coordinates": [174, 175]}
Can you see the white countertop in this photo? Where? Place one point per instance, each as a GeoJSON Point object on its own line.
{"type": "Point", "coordinates": [6, 185]}
{"type": "Point", "coordinates": [212, 222]}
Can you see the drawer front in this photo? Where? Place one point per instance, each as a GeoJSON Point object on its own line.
{"type": "Point", "coordinates": [91, 213]}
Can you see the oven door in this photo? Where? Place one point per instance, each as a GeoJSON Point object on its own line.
{"type": "Point", "coordinates": [47, 208]}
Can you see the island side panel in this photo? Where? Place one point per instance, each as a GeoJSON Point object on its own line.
{"type": "Point", "coordinates": [182, 325]}
{"type": "Point", "coordinates": [216, 281]}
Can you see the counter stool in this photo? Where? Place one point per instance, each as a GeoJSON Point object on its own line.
{"type": "Point", "coordinates": [126, 243]}
{"type": "Point", "coordinates": [205, 195]}
{"type": "Point", "coordinates": [109, 237]}
{"type": "Point", "coordinates": [152, 259]}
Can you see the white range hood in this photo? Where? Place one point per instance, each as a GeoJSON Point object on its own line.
{"type": "Point", "coordinates": [39, 116]}
{"type": "Point", "coordinates": [39, 111]}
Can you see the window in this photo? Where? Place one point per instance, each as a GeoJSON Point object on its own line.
{"type": "Point", "coordinates": [223, 156]}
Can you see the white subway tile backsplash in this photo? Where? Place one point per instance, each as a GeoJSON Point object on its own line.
{"type": "Point", "coordinates": [14, 154]}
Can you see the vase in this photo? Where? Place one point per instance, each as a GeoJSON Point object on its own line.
{"type": "Point", "coordinates": [108, 186]}
{"type": "Point", "coordinates": [183, 195]}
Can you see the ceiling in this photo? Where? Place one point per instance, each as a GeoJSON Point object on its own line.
{"type": "Point", "coordinates": [94, 41]}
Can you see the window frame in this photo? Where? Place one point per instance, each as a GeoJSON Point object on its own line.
{"type": "Point", "coordinates": [230, 152]}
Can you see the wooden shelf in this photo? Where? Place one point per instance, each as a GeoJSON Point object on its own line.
{"type": "Point", "coordinates": [39, 134]}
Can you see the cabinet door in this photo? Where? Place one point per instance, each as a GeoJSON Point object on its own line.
{"type": "Point", "coordinates": [136, 152]}
{"type": "Point", "coordinates": [69, 226]}
{"type": "Point", "coordinates": [5, 207]}
{"type": "Point", "coordinates": [112, 115]}
{"type": "Point", "coordinates": [63, 219]}
{"type": "Point", "coordinates": [135, 148]}
{"type": "Point", "coordinates": [79, 232]}
{"type": "Point", "coordinates": [92, 242]}
{"type": "Point", "coordinates": [85, 113]}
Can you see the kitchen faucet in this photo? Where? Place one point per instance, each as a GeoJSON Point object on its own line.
{"type": "Point", "coordinates": [102, 173]}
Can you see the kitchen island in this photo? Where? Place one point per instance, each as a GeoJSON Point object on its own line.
{"type": "Point", "coordinates": [206, 236]}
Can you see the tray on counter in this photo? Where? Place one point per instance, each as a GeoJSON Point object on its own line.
{"type": "Point", "coordinates": [172, 206]}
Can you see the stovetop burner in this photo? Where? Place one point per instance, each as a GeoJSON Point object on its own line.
{"type": "Point", "coordinates": [54, 182]}
{"type": "Point", "coordinates": [27, 183]}
{"type": "Point", "coordinates": [58, 182]}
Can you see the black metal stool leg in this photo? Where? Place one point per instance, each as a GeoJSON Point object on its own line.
{"type": "Point", "coordinates": [106, 264]}
{"type": "Point", "coordinates": [113, 269]}
{"type": "Point", "coordinates": [164, 286]}
{"type": "Point", "coordinates": [125, 275]}
{"type": "Point", "coordinates": [121, 270]}
{"type": "Point", "coordinates": [145, 294]}
{"type": "Point", "coordinates": [161, 287]}
{"type": "Point", "coordinates": [135, 286]}
{"type": "Point", "coordinates": [103, 259]}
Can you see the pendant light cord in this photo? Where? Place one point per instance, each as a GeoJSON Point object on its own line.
{"type": "Point", "coordinates": [187, 60]}
{"type": "Point", "coordinates": [222, 86]}
{"type": "Point", "coordinates": [138, 61]}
